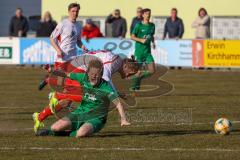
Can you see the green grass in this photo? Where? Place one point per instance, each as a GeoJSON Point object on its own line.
{"type": "Point", "coordinates": [198, 99]}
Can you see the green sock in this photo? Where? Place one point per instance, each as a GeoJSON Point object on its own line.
{"type": "Point", "coordinates": [145, 74]}
{"type": "Point", "coordinates": [135, 84]}
{"type": "Point", "coordinates": [60, 133]}
{"type": "Point", "coordinates": [133, 77]}
{"type": "Point", "coordinates": [73, 134]}
{"type": "Point", "coordinates": [136, 81]}
{"type": "Point", "coordinates": [51, 133]}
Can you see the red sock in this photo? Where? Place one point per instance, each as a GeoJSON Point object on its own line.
{"type": "Point", "coordinates": [44, 114]}
{"type": "Point", "coordinates": [75, 98]}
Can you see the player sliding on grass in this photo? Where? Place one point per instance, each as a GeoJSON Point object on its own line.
{"type": "Point", "coordinates": [111, 64]}
{"type": "Point", "coordinates": [91, 115]}
{"type": "Point", "coordinates": [143, 35]}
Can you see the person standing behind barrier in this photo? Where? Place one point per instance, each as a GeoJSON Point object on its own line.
{"type": "Point", "coordinates": [174, 27]}
{"type": "Point", "coordinates": [90, 30]}
{"type": "Point", "coordinates": [119, 24]}
{"type": "Point", "coordinates": [18, 25]}
{"type": "Point", "coordinates": [202, 24]}
{"type": "Point", "coordinates": [137, 19]}
{"type": "Point", "coordinates": [47, 25]}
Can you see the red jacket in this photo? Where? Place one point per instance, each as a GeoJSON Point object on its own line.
{"type": "Point", "coordinates": [91, 32]}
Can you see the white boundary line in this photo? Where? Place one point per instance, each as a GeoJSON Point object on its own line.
{"type": "Point", "coordinates": [124, 149]}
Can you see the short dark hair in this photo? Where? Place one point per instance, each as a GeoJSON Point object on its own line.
{"type": "Point", "coordinates": [174, 9]}
{"type": "Point", "coordinates": [73, 5]}
{"type": "Point", "coordinates": [19, 8]}
{"type": "Point", "coordinates": [139, 8]}
{"type": "Point", "coordinates": [117, 10]}
{"type": "Point", "coordinates": [146, 10]}
{"type": "Point", "coordinates": [202, 9]}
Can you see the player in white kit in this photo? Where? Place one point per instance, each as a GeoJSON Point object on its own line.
{"type": "Point", "coordinates": [67, 35]}
{"type": "Point", "coordinates": [65, 38]}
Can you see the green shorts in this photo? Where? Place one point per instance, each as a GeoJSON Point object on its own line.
{"type": "Point", "coordinates": [147, 58]}
{"type": "Point", "coordinates": [77, 122]}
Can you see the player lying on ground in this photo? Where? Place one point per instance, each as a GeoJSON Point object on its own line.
{"type": "Point", "coordinates": [111, 63]}
{"type": "Point", "coordinates": [98, 94]}
{"type": "Point", "coordinates": [143, 35]}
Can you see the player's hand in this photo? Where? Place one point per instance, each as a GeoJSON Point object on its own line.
{"type": "Point", "coordinates": [154, 46]}
{"type": "Point", "coordinates": [143, 40]}
{"type": "Point", "coordinates": [124, 122]}
{"type": "Point", "coordinates": [59, 55]}
{"type": "Point", "coordinates": [113, 14]}
{"type": "Point", "coordinates": [84, 48]}
{"type": "Point", "coordinates": [20, 33]}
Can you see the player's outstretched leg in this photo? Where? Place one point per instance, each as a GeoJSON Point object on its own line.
{"type": "Point", "coordinates": [38, 118]}
{"type": "Point", "coordinates": [57, 129]}
{"type": "Point", "coordinates": [44, 82]}
{"type": "Point", "coordinates": [136, 79]}
{"type": "Point", "coordinates": [85, 130]}
{"type": "Point", "coordinates": [57, 102]}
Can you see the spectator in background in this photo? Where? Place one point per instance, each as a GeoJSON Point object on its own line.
{"type": "Point", "coordinates": [46, 26]}
{"type": "Point", "coordinates": [18, 25]}
{"type": "Point", "coordinates": [202, 24]}
{"type": "Point", "coordinates": [119, 24]}
{"type": "Point", "coordinates": [136, 19]}
{"type": "Point", "coordinates": [174, 26]}
{"type": "Point", "coordinates": [90, 30]}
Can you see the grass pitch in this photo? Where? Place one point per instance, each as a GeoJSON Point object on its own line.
{"type": "Point", "coordinates": [178, 125]}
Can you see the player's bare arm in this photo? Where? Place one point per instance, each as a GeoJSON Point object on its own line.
{"type": "Point", "coordinates": [141, 40]}
{"type": "Point", "coordinates": [56, 47]}
{"type": "Point", "coordinates": [121, 111]}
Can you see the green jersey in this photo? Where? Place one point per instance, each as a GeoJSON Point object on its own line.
{"type": "Point", "coordinates": [144, 31]}
{"type": "Point", "coordinates": [95, 98]}
{"type": "Point", "coordinates": [143, 51]}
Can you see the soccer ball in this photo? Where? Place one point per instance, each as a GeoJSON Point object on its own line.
{"type": "Point", "coordinates": [223, 126]}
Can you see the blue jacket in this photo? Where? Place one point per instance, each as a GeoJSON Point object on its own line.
{"type": "Point", "coordinates": [119, 26]}
{"type": "Point", "coordinates": [135, 20]}
{"type": "Point", "coordinates": [173, 28]}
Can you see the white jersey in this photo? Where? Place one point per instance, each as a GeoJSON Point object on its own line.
{"type": "Point", "coordinates": [111, 63]}
{"type": "Point", "coordinates": [66, 35]}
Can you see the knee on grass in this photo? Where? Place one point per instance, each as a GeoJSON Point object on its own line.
{"type": "Point", "coordinates": [55, 128]}
{"type": "Point", "coordinates": [84, 131]}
